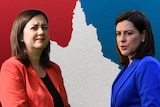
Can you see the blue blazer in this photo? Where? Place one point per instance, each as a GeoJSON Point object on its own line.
{"type": "Point", "coordinates": [137, 85]}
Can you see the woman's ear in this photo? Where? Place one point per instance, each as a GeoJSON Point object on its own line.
{"type": "Point", "coordinates": [144, 33]}
{"type": "Point", "coordinates": [22, 38]}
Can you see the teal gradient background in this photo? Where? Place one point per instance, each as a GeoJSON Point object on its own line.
{"type": "Point", "coordinates": [102, 13]}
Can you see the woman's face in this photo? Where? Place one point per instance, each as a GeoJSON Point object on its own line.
{"type": "Point", "coordinates": [128, 38]}
{"type": "Point", "coordinates": [35, 33]}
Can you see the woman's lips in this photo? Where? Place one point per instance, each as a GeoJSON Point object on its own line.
{"type": "Point", "coordinates": [123, 47]}
{"type": "Point", "coordinates": [40, 39]}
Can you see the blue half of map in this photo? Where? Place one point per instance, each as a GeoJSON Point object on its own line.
{"type": "Point", "coordinates": [102, 13]}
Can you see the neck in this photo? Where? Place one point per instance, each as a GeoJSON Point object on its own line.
{"type": "Point", "coordinates": [34, 57]}
{"type": "Point", "coordinates": [130, 61]}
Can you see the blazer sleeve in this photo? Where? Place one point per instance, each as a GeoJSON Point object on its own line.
{"type": "Point", "coordinates": [12, 85]}
{"type": "Point", "coordinates": [148, 82]}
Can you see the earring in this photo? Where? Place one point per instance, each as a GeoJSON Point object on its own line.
{"type": "Point", "coordinates": [143, 40]}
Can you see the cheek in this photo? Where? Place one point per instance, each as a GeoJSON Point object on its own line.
{"type": "Point", "coordinates": [117, 42]}
{"type": "Point", "coordinates": [135, 43]}
{"type": "Point", "coordinates": [28, 37]}
{"type": "Point", "coordinates": [47, 34]}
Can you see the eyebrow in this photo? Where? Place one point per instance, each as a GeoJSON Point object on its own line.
{"type": "Point", "coordinates": [126, 31]}
{"type": "Point", "coordinates": [45, 24]}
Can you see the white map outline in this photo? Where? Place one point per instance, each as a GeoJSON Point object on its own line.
{"type": "Point", "coordinates": [87, 74]}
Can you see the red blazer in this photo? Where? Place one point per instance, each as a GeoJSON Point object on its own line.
{"type": "Point", "coordinates": [20, 86]}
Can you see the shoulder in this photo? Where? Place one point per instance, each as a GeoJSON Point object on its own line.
{"type": "Point", "coordinates": [54, 66]}
{"type": "Point", "coordinates": [148, 65]}
{"type": "Point", "coordinates": [149, 60]}
{"type": "Point", "coordinates": [11, 65]}
{"type": "Point", "coordinates": [12, 61]}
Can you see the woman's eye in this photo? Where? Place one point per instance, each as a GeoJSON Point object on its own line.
{"type": "Point", "coordinates": [34, 28]}
{"type": "Point", "coordinates": [118, 33]}
{"type": "Point", "coordinates": [129, 33]}
{"type": "Point", "coordinates": [45, 27]}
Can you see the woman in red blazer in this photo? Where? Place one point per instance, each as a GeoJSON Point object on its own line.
{"type": "Point", "coordinates": [29, 78]}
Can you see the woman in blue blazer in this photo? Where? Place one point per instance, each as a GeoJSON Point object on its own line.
{"type": "Point", "coordinates": [138, 83]}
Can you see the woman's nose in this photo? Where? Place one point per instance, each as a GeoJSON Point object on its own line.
{"type": "Point", "coordinates": [122, 38]}
{"type": "Point", "coordinates": [40, 31]}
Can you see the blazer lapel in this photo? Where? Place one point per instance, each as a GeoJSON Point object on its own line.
{"type": "Point", "coordinates": [36, 77]}
{"type": "Point", "coordinates": [53, 76]}
{"type": "Point", "coordinates": [123, 76]}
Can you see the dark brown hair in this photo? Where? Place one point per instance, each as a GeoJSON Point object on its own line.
{"type": "Point", "coordinates": [17, 46]}
{"type": "Point", "coordinates": [141, 23]}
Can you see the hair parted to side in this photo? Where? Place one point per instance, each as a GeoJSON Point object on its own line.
{"type": "Point", "coordinates": [141, 23]}
{"type": "Point", "coordinates": [17, 45]}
